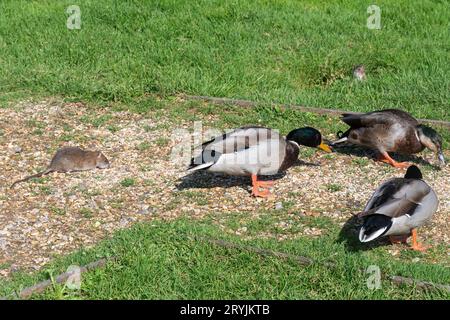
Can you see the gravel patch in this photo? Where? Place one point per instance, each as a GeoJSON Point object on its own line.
{"type": "Point", "coordinates": [62, 212]}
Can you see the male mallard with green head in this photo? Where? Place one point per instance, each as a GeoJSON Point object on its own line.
{"type": "Point", "coordinates": [398, 207]}
{"type": "Point", "coordinates": [255, 151]}
{"type": "Point", "coordinates": [391, 130]}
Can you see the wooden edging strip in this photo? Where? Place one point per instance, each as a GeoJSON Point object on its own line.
{"type": "Point", "coordinates": [42, 286]}
{"type": "Point", "coordinates": [304, 261]}
{"type": "Point", "coordinates": [322, 111]}
{"type": "Point", "coordinates": [399, 280]}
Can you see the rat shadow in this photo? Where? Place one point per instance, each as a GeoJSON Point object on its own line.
{"type": "Point", "coordinates": [204, 180]}
{"type": "Point", "coordinates": [349, 237]}
{"type": "Point", "coordinates": [362, 152]}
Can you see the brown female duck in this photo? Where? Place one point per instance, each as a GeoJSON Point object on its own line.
{"type": "Point", "coordinates": [391, 130]}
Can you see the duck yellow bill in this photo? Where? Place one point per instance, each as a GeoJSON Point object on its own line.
{"type": "Point", "coordinates": [324, 147]}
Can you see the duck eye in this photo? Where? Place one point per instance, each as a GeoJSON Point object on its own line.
{"type": "Point", "coordinates": [318, 138]}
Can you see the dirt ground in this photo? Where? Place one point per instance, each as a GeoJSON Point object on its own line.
{"type": "Point", "coordinates": [62, 212]}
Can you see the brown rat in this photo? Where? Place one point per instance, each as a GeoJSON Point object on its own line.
{"type": "Point", "coordinates": [72, 159]}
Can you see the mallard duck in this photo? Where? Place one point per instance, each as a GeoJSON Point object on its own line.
{"type": "Point", "coordinates": [255, 151]}
{"type": "Point", "coordinates": [391, 130]}
{"type": "Point", "coordinates": [397, 208]}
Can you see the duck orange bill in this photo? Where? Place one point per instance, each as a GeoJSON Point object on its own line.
{"type": "Point", "coordinates": [324, 147]}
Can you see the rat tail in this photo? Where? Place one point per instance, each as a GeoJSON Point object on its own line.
{"type": "Point", "coordinates": [37, 175]}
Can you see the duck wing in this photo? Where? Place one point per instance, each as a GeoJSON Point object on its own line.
{"type": "Point", "coordinates": [366, 119]}
{"type": "Point", "coordinates": [397, 197]}
{"type": "Point", "coordinates": [240, 139]}
{"type": "Point", "coordinates": [231, 142]}
{"type": "Point", "coordinates": [385, 117]}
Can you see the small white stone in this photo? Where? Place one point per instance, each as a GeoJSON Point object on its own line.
{"type": "Point", "coordinates": [144, 210]}
{"type": "Point", "coordinates": [15, 149]}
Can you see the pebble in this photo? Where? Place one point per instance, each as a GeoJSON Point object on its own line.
{"type": "Point", "coordinates": [15, 149]}
{"type": "Point", "coordinates": [123, 222]}
{"type": "Point", "coordinates": [278, 206]}
{"type": "Point", "coordinates": [144, 210]}
{"type": "Point", "coordinates": [2, 244]}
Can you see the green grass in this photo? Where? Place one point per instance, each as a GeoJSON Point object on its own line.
{"type": "Point", "coordinates": [332, 187]}
{"type": "Point", "coordinates": [58, 211]}
{"type": "Point", "coordinates": [96, 121]}
{"type": "Point", "coordinates": [143, 146]}
{"type": "Point", "coordinates": [128, 182]}
{"type": "Point", "coordinates": [162, 141]}
{"type": "Point", "coordinates": [171, 261]}
{"type": "Point", "coordinates": [287, 51]}
{"type": "Point", "coordinates": [86, 213]}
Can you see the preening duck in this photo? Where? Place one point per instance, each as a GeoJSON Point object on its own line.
{"type": "Point", "coordinates": [391, 130]}
{"type": "Point", "coordinates": [398, 207]}
{"type": "Point", "coordinates": [255, 151]}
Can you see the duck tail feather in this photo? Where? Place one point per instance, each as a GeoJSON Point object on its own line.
{"type": "Point", "coordinates": [365, 237]}
{"type": "Point", "coordinates": [333, 143]}
{"type": "Point", "coordinates": [374, 227]}
{"type": "Point", "coordinates": [341, 134]}
{"type": "Point", "coordinates": [342, 137]}
{"type": "Point", "coordinates": [200, 166]}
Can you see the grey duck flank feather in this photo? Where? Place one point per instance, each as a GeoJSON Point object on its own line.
{"type": "Point", "coordinates": [245, 151]}
{"type": "Point", "coordinates": [398, 206]}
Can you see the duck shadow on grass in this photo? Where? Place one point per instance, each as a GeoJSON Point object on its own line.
{"type": "Point", "coordinates": [205, 180]}
{"type": "Point", "coordinates": [361, 152]}
{"type": "Point", "coordinates": [349, 237]}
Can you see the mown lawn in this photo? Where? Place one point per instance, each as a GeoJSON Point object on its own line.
{"type": "Point", "coordinates": [287, 51]}
{"type": "Point", "coordinates": [174, 261]}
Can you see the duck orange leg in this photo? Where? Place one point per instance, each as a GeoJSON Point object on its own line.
{"type": "Point", "coordinates": [384, 157]}
{"type": "Point", "coordinates": [416, 245]}
{"type": "Point", "coordinates": [260, 184]}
